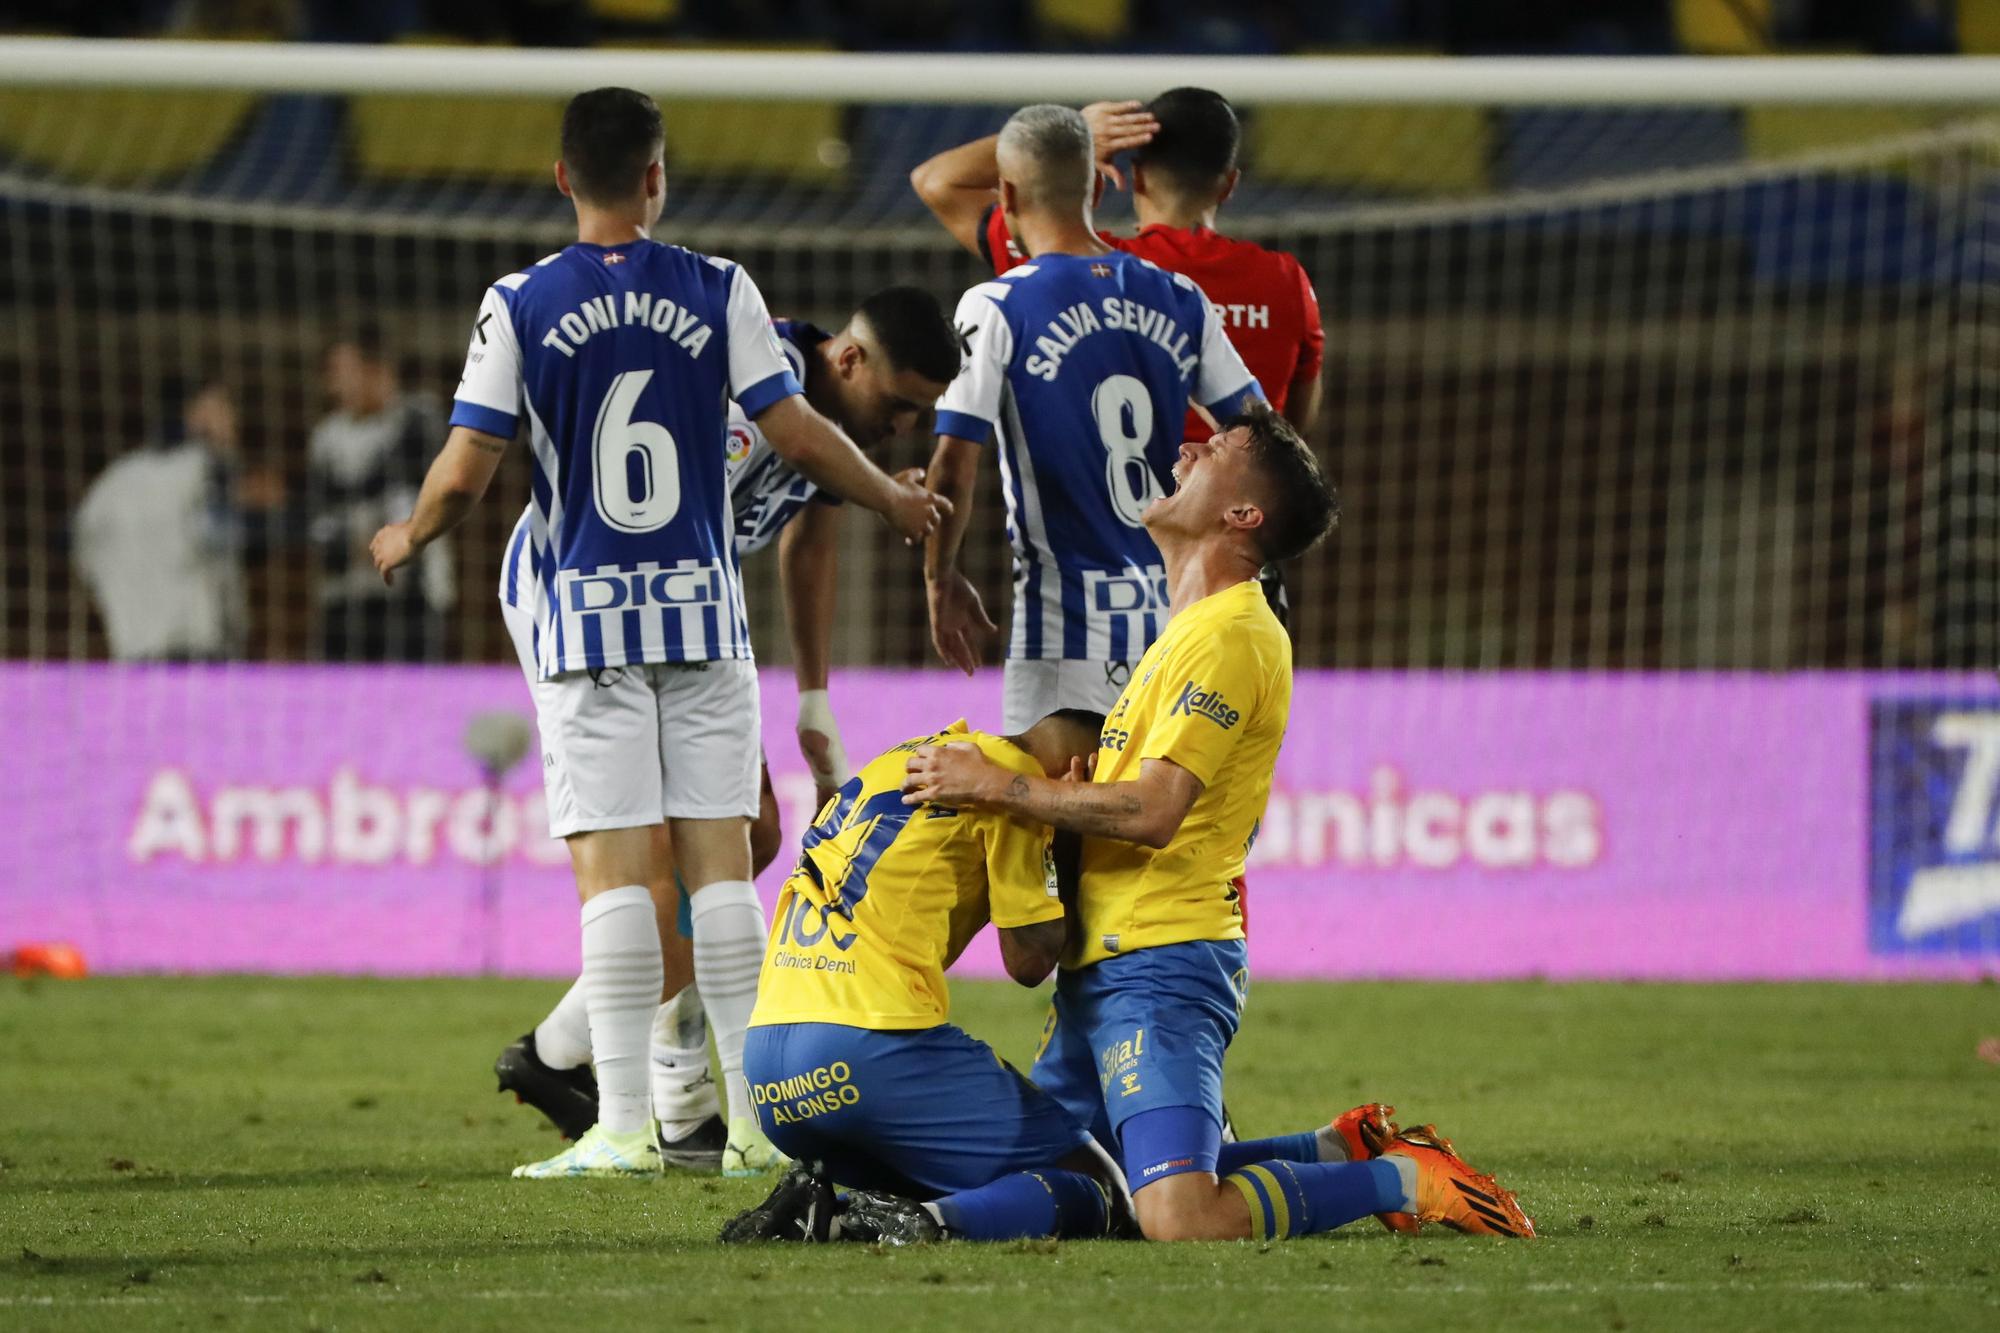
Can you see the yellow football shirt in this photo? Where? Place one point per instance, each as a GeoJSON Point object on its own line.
{"type": "Point", "coordinates": [1213, 694]}
{"type": "Point", "coordinates": [887, 895]}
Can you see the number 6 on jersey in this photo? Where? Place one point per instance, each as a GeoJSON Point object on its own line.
{"type": "Point", "coordinates": [636, 463]}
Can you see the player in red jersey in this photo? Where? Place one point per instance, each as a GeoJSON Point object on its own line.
{"type": "Point", "coordinates": [1184, 145]}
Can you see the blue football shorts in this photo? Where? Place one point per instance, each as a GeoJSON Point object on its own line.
{"type": "Point", "coordinates": [1142, 1032]}
{"type": "Point", "coordinates": [921, 1113]}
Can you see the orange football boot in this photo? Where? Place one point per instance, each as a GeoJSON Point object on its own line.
{"type": "Point", "coordinates": [1451, 1192]}
{"type": "Point", "coordinates": [1367, 1130]}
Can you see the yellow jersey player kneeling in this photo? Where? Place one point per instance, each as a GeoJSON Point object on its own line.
{"type": "Point", "coordinates": [1154, 978]}
{"type": "Point", "coordinates": [854, 1068]}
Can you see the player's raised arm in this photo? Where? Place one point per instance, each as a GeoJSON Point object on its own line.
{"type": "Point", "coordinates": [808, 569]}
{"type": "Point", "coordinates": [958, 184]}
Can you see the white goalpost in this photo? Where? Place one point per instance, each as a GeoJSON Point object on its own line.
{"type": "Point", "coordinates": [1002, 78]}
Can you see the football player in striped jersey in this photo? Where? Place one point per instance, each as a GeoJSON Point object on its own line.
{"type": "Point", "coordinates": [1080, 367]}
{"type": "Point", "coordinates": [876, 377]}
{"type": "Point", "coordinates": [619, 353]}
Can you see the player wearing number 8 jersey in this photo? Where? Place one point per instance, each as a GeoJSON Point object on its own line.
{"type": "Point", "coordinates": [619, 353]}
{"type": "Point", "coordinates": [1080, 366]}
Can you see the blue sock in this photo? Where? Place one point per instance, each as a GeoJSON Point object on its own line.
{"type": "Point", "coordinates": [1297, 1199]}
{"type": "Point", "coordinates": [684, 920]}
{"type": "Point", "coordinates": [1284, 1148]}
{"type": "Point", "coordinates": [1031, 1204]}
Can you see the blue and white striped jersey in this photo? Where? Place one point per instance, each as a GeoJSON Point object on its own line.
{"type": "Point", "coordinates": [622, 358]}
{"type": "Point", "coordinates": [1083, 367]}
{"type": "Point", "coordinates": [765, 492]}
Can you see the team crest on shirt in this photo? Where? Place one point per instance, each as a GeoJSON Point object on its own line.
{"type": "Point", "coordinates": [738, 446]}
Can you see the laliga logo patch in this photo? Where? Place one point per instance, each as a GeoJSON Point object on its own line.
{"type": "Point", "coordinates": [737, 448]}
{"type": "Point", "coordinates": [1197, 702]}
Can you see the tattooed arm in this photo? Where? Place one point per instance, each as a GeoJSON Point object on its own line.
{"type": "Point", "coordinates": [459, 475]}
{"type": "Point", "coordinates": [1147, 810]}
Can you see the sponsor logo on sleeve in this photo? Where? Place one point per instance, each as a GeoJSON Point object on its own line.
{"type": "Point", "coordinates": [1194, 701]}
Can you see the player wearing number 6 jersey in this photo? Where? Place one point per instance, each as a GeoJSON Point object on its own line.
{"type": "Point", "coordinates": [620, 353]}
{"type": "Point", "coordinates": [1081, 364]}
{"type": "Point", "coordinates": [874, 377]}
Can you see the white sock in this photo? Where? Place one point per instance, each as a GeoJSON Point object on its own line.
{"type": "Point", "coordinates": [1406, 1170]}
{"type": "Point", "coordinates": [563, 1038]}
{"type": "Point", "coordinates": [622, 976]}
{"type": "Point", "coordinates": [728, 955]}
{"type": "Point", "coordinates": [683, 1092]}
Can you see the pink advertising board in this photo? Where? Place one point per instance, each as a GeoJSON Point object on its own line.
{"type": "Point", "coordinates": [325, 819]}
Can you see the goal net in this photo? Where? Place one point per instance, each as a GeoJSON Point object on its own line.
{"type": "Point", "coordinates": [1686, 374]}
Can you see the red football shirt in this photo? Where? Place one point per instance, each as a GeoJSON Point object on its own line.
{"type": "Point", "coordinates": [1266, 300]}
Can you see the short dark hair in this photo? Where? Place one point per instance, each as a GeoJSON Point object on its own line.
{"type": "Point", "coordinates": [1197, 139]}
{"type": "Point", "coordinates": [1086, 718]}
{"type": "Point", "coordinates": [609, 137]}
{"type": "Point", "coordinates": [1300, 504]}
{"type": "Point", "coordinates": [911, 327]}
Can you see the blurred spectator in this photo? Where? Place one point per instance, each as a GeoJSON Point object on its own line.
{"type": "Point", "coordinates": [161, 536]}
{"type": "Point", "coordinates": [366, 461]}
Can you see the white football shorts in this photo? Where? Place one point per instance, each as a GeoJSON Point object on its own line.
{"type": "Point", "coordinates": [1031, 690]}
{"type": "Point", "coordinates": [625, 747]}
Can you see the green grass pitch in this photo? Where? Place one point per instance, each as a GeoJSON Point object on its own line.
{"type": "Point", "coordinates": [242, 1152]}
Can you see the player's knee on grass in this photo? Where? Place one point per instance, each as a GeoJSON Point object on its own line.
{"type": "Point", "coordinates": [1192, 1206]}
{"type": "Point", "coordinates": [1171, 1152]}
